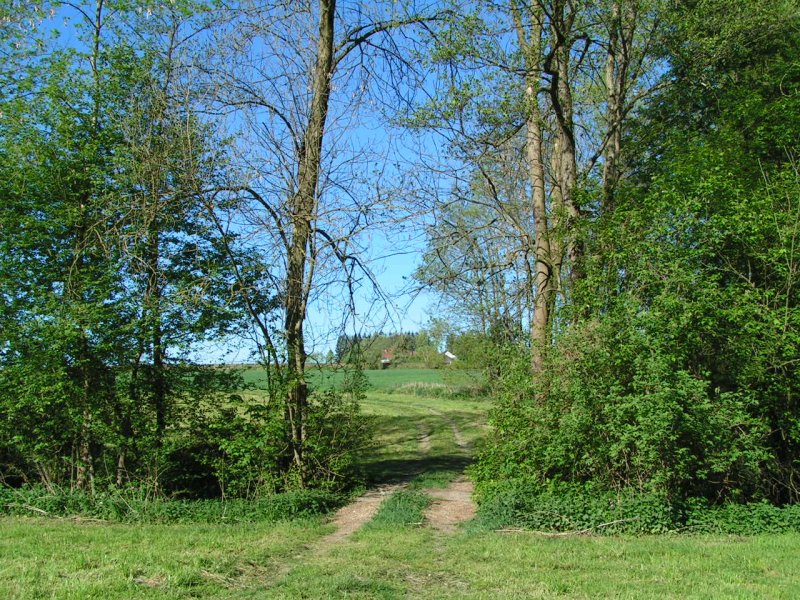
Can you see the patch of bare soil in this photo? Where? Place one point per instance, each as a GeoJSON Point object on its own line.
{"type": "Point", "coordinates": [451, 506]}
{"type": "Point", "coordinates": [350, 518]}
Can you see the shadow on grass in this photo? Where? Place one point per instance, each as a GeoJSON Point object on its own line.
{"type": "Point", "coordinates": [404, 470]}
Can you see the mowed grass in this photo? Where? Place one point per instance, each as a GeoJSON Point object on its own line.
{"type": "Point", "coordinates": [414, 562]}
{"type": "Point", "coordinates": [395, 557]}
{"type": "Point", "coordinates": [61, 559]}
{"type": "Point", "coordinates": [404, 422]}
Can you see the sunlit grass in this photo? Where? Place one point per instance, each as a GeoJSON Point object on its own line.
{"type": "Point", "coordinates": [402, 421]}
{"type": "Point", "coordinates": [391, 560]}
{"type": "Point", "coordinates": [418, 563]}
{"type": "Point", "coordinates": [57, 558]}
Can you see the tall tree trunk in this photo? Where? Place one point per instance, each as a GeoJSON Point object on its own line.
{"type": "Point", "coordinates": [85, 461]}
{"type": "Point", "coordinates": [565, 168]}
{"type": "Point", "coordinates": [85, 472]}
{"type": "Point", "coordinates": [531, 44]}
{"type": "Point", "coordinates": [568, 172]}
{"type": "Point", "coordinates": [303, 207]}
{"type": "Point", "coordinates": [74, 293]}
{"type": "Point", "coordinates": [613, 111]}
{"type": "Point", "coordinates": [85, 468]}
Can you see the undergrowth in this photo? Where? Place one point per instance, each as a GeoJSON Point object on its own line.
{"type": "Point", "coordinates": [132, 507]}
{"type": "Point", "coordinates": [575, 508]}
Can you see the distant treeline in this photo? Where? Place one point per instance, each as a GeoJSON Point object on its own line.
{"type": "Point", "coordinates": [425, 348]}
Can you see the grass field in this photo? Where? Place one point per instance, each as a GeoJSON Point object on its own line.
{"type": "Point", "coordinates": [397, 557]}
{"type": "Point", "coordinates": [381, 380]}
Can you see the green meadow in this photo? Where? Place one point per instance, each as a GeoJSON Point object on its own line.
{"type": "Point", "coordinates": [380, 380]}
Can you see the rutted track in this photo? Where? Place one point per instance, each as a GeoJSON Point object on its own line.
{"type": "Point", "coordinates": [355, 515]}
{"type": "Point", "coordinates": [450, 507]}
{"type": "Point", "coordinates": [459, 438]}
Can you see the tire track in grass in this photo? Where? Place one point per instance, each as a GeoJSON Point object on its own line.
{"type": "Point", "coordinates": [450, 507]}
{"type": "Point", "coordinates": [424, 437]}
{"type": "Point", "coordinates": [460, 439]}
{"type": "Point", "coordinates": [355, 515]}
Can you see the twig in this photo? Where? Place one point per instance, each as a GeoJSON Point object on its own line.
{"type": "Point", "coordinates": [74, 518]}
{"type": "Point", "coordinates": [31, 508]}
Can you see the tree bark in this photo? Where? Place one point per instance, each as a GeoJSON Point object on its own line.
{"type": "Point", "coordinates": [531, 44]}
{"type": "Point", "coordinates": [303, 208]}
{"type": "Point", "coordinates": [85, 461]}
{"type": "Point", "coordinates": [153, 306]}
{"type": "Point", "coordinates": [565, 158]}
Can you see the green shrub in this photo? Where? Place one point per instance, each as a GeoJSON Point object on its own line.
{"type": "Point", "coordinates": [230, 447]}
{"type": "Point", "coordinates": [338, 433]}
{"type": "Point", "coordinates": [742, 519]}
{"type": "Point", "coordinates": [615, 407]}
{"type": "Point", "coordinates": [575, 508]}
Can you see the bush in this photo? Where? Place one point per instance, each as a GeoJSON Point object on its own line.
{"type": "Point", "coordinates": [615, 407]}
{"type": "Point", "coordinates": [742, 519]}
{"type": "Point", "coordinates": [230, 447]}
{"type": "Point", "coordinates": [569, 507]}
{"type": "Point", "coordinates": [338, 434]}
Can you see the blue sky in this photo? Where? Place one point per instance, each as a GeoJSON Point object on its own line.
{"type": "Point", "coordinates": [392, 256]}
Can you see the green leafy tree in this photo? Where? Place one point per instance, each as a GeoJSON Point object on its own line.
{"type": "Point", "coordinates": [679, 378]}
{"type": "Point", "coordinates": [533, 99]}
{"type": "Point", "coordinates": [112, 268]}
{"type": "Point", "coordinates": [61, 284]}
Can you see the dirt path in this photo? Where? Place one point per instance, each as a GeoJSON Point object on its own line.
{"type": "Point", "coordinates": [352, 517]}
{"type": "Point", "coordinates": [451, 506]}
